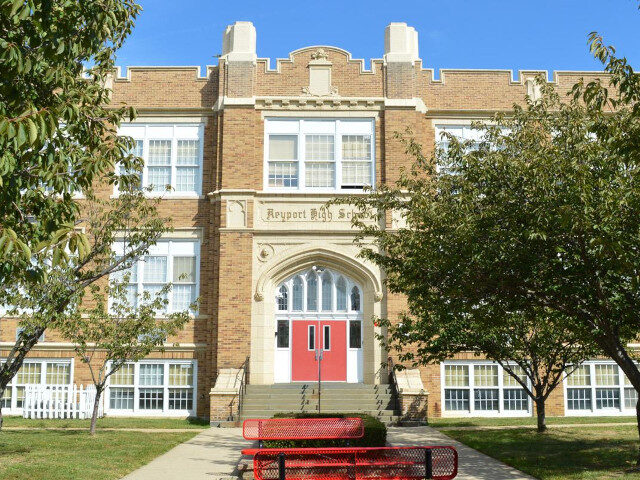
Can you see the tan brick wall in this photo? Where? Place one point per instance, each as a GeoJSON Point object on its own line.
{"type": "Point", "coordinates": [233, 159]}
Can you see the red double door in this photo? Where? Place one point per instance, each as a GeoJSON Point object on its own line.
{"type": "Point", "coordinates": [308, 337]}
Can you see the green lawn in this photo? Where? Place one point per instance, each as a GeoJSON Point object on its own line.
{"type": "Point", "coordinates": [587, 453]}
{"type": "Point", "coordinates": [74, 455]}
{"type": "Point", "coordinates": [109, 422]}
{"type": "Point", "coordinates": [481, 422]}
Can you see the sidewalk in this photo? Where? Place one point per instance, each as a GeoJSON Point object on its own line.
{"type": "Point", "coordinates": [212, 455]}
{"type": "Point", "coordinates": [472, 465]}
{"type": "Point", "coordinates": [215, 453]}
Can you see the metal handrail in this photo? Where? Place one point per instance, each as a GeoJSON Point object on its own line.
{"type": "Point", "coordinates": [243, 384]}
{"type": "Point", "coordinates": [393, 382]}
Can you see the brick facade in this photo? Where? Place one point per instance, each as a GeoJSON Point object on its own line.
{"type": "Point", "coordinates": [243, 256]}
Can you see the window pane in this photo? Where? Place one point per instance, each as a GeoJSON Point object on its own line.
{"type": "Point", "coordinates": [188, 152]}
{"type": "Point", "coordinates": [456, 375]}
{"type": "Point", "coordinates": [312, 337]}
{"type": "Point", "coordinates": [509, 381]}
{"type": "Point", "coordinates": [186, 179]}
{"type": "Point", "coordinates": [283, 174]}
{"type": "Point", "coordinates": [5, 401]}
{"type": "Point", "coordinates": [356, 173]}
{"type": "Point", "coordinates": [327, 292]}
{"type": "Point", "coordinates": [581, 376]}
{"type": "Point", "coordinates": [326, 338]}
{"type": "Point", "coordinates": [183, 297]}
{"type": "Point", "coordinates": [19, 397]}
{"type": "Point", "coordinates": [151, 399]}
{"type": "Point", "coordinates": [320, 174]}
{"type": "Point", "coordinates": [29, 374]}
{"type": "Point", "coordinates": [312, 292]}
{"type": "Point", "coordinates": [180, 375]}
{"type": "Point", "coordinates": [515, 399]}
{"type": "Point", "coordinates": [283, 147]}
{"type": "Point", "coordinates": [356, 147]}
{"type": "Point", "coordinates": [486, 399]}
{"type": "Point", "coordinates": [282, 298]}
{"type": "Point", "coordinates": [355, 299]}
{"type": "Point", "coordinates": [58, 373]}
{"type": "Point", "coordinates": [607, 398]}
{"type": "Point", "coordinates": [184, 269]}
{"type": "Point", "coordinates": [155, 269]}
{"type": "Point", "coordinates": [180, 398]}
{"type": "Point", "coordinates": [319, 147]}
{"type": "Point", "coordinates": [151, 374]}
{"type": "Point", "coordinates": [606, 374]}
{"type": "Point", "coordinates": [159, 153]}
{"type": "Point", "coordinates": [121, 398]}
{"type": "Point", "coordinates": [456, 400]}
{"type": "Point", "coordinates": [341, 295]}
{"type": "Point", "coordinates": [630, 398]}
{"type": "Point", "coordinates": [159, 177]}
{"type": "Point", "coordinates": [485, 375]}
{"type": "Point", "coordinates": [297, 294]}
{"type": "Point", "coordinates": [124, 376]}
{"type": "Point", "coordinates": [283, 333]}
{"type": "Point", "coordinates": [579, 398]}
{"type": "Point", "coordinates": [355, 334]}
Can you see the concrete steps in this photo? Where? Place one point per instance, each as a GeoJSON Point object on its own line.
{"type": "Point", "coordinates": [263, 401]}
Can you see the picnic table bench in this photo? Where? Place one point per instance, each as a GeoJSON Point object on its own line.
{"type": "Point", "coordinates": [262, 429]}
{"type": "Point", "coordinates": [356, 463]}
{"type": "Point", "coordinates": [340, 463]}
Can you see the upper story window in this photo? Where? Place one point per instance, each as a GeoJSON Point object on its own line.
{"type": "Point", "coordinates": [172, 156]}
{"type": "Point", "coordinates": [319, 155]}
{"type": "Point", "coordinates": [175, 262]}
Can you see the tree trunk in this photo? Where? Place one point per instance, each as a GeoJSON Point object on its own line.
{"type": "Point", "coordinates": [637, 419]}
{"type": "Point", "coordinates": [1, 419]}
{"type": "Point", "coordinates": [615, 348]}
{"type": "Point", "coordinates": [94, 415]}
{"type": "Point", "coordinates": [540, 411]}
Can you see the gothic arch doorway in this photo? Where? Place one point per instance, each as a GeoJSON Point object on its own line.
{"type": "Point", "coordinates": [319, 313]}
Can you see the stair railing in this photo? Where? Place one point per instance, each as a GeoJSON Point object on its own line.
{"type": "Point", "coordinates": [244, 375]}
{"type": "Point", "coordinates": [393, 382]}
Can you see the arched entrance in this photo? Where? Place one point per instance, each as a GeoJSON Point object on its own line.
{"type": "Point", "coordinates": [318, 313]}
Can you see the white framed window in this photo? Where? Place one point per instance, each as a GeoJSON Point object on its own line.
{"type": "Point", "coordinates": [482, 388]}
{"type": "Point", "coordinates": [172, 156]}
{"type": "Point", "coordinates": [153, 387]}
{"type": "Point", "coordinates": [322, 155]}
{"type": "Point", "coordinates": [36, 372]}
{"type": "Point", "coordinates": [599, 388]}
{"type": "Point", "coordinates": [168, 261]}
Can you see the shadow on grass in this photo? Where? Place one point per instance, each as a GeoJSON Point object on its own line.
{"type": "Point", "coordinates": [574, 453]}
{"type": "Point", "coordinates": [202, 422]}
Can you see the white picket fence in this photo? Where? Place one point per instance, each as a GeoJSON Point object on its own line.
{"type": "Point", "coordinates": [60, 401]}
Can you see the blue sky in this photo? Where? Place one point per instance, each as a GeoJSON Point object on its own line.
{"type": "Point", "coordinates": [508, 34]}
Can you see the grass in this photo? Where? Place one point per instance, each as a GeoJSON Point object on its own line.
{"type": "Point", "coordinates": [109, 422]}
{"type": "Point", "coordinates": [74, 455]}
{"type": "Point", "coordinates": [495, 422]}
{"type": "Point", "coordinates": [587, 453]}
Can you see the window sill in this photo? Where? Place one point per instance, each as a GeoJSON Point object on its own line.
{"type": "Point", "coordinates": [170, 196]}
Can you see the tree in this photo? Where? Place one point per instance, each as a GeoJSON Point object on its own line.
{"type": "Point", "coordinates": [131, 218]}
{"type": "Point", "coordinates": [57, 131]}
{"type": "Point", "coordinates": [116, 331]}
{"type": "Point", "coordinates": [543, 216]}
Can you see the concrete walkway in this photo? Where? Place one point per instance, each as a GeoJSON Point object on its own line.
{"type": "Point", "coordinates": [215, 453]}
{"type": "Point", "coordinates": [212, 455]}
{"type": "Point", "coordinates": [472, 465]}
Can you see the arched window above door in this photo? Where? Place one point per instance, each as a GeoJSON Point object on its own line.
{"type": "Point", "coordinates": [318, 290]}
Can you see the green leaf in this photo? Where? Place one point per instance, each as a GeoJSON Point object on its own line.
{"type": "Point", "coordinates": [33, 131]}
